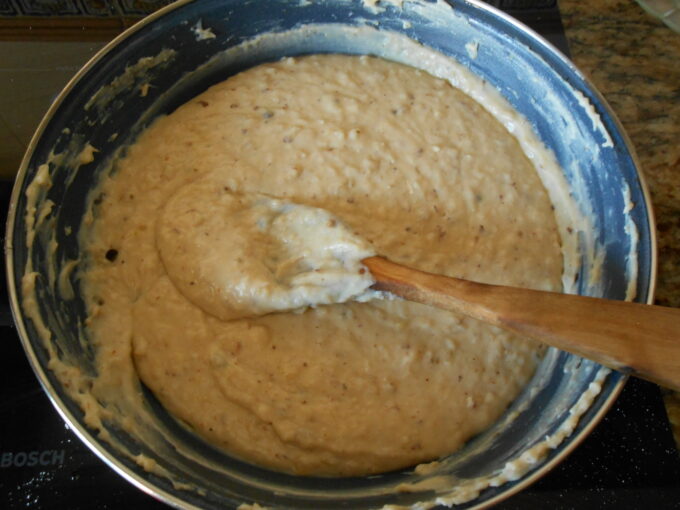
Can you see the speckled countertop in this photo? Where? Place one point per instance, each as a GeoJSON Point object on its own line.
{"type": "Point", "coordinates": [634, 60]}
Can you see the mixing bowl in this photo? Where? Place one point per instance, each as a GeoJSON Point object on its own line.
{"type": "Point", "coordinates": [181, 50]}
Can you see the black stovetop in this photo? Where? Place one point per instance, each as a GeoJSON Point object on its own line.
{"type": "Point", "coordinates": [629, 462]}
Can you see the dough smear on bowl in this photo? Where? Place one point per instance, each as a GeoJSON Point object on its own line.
{"type": "Point", "coordinates": [409, 163]}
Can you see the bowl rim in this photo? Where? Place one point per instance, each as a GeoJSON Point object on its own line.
{"type": "Point", "coordinates": [147, 486]}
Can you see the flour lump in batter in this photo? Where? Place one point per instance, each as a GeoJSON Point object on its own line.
{"type": "Point", "coordinates": [414, 166]}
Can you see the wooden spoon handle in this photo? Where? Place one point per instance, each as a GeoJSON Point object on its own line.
{"type": "Point", "coordinates": [638, 339]}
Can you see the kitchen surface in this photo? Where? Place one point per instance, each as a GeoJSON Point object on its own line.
{"type": "Point", "coordinates": [630, 460]}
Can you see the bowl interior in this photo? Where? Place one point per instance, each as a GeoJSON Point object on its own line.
{"type": "Point", "coordinates": [103, 106]}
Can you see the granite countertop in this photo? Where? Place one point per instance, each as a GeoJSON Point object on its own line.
{"type": "Point", "coordinates": [634, 61]}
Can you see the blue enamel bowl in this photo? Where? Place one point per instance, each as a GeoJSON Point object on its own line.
{"type": "Point", "coordinates": [178, 52]}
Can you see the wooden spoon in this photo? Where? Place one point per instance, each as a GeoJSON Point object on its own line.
{"type": "Point", "coordinates": [633, 338]}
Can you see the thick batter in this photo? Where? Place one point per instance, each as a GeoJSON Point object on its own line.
{"type": "Point", "coordinates": [410, 164]}
{"type": "Point", "coordinates": [237, 255]}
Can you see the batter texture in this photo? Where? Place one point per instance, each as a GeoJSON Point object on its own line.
{"type": "Point", "coordinates": [410, 164]}
{"type": "Point", "coordinates": [239, 255]}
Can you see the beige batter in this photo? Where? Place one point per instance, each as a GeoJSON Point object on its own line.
{"type": "Point", "coordinates": [237, 255]}
{"type": "Point", "coordinates": [410, 164]}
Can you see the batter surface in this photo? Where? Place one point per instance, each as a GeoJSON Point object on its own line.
{"type": "Point", "coordinates": [238, 255]}
{"type": "Point", "coordinates": [410, 164]}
